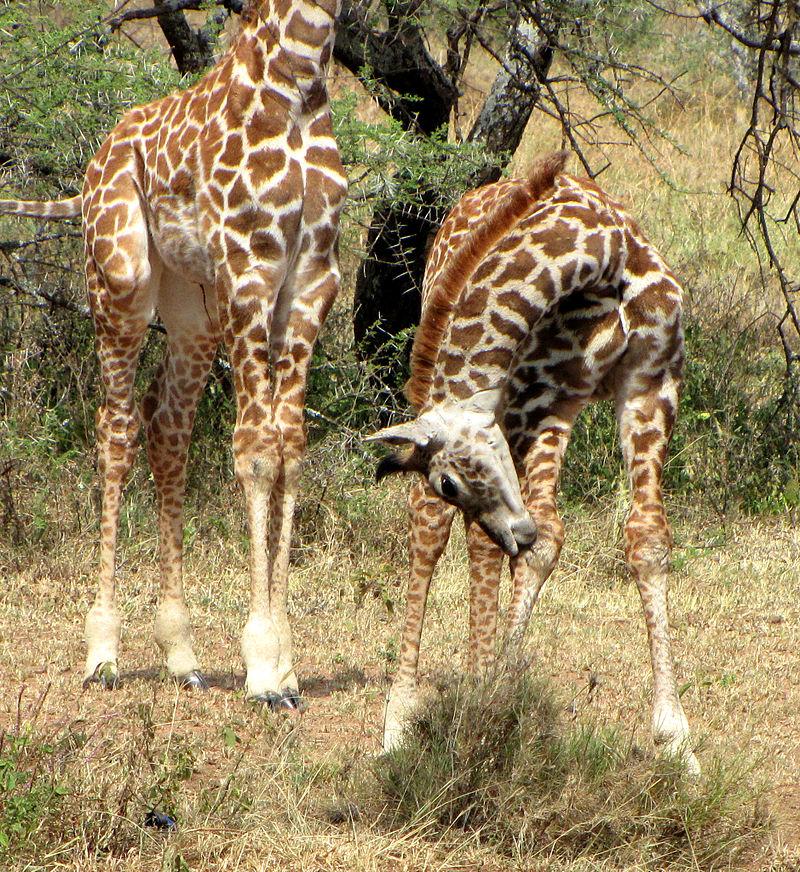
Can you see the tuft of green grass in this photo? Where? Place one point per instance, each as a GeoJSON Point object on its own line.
{"type": "Point", "coordinates": [496, 759]}
{"type": "Point", "coordinates": [30, 789]}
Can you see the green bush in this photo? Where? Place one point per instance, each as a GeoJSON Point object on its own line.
{"type": "Point", "coordinates": [64, 87]}
{"type": "Point", "coordinates": [30, 789]}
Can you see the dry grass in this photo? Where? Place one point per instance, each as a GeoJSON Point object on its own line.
{"type": "Point", "coordinates": [499, 759]}
{"type": "Point", "coordinates": [250, 793]}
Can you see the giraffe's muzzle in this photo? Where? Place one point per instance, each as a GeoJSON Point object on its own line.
{"type": "Point", "coordinates": [512, 538]}
{"type": "Point", "coordinates": [524, 533]}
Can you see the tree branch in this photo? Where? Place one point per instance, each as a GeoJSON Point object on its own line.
{"type": "Point", "coordinates": [772, 42]}
{"type": "Point", "coordinates": [167, 6]}
{"type": "Point", "coordinates": [401, 63]}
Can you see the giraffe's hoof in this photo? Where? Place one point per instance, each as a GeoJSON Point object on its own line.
{"type": "Point", "coordinates": [105, 674]}
{"type": "Point", "coordinates": [270, 700]}
{"type": "Point", "coordinates": [193, 680]}
{"type": "Point", "coordinates": [292, 701]}
{"type": "Point", "coordinates": [287, 701]}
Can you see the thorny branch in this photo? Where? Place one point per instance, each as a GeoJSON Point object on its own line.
{"type": "Point", "coordinates": [765, 175]}
{"type": "Point", "coordinates": [35, 297]}
{"type": "Point", "coordinates": [9, 245]}
{"type": "Point", "coordinates": [167, 6]}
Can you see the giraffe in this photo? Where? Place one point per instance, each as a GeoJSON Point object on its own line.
{"type": "Point", "coordinates": [541, 295]}
{"type": "Point", "coordinates": [217, 207]}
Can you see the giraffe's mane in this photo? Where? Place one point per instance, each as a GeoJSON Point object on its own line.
{"type": "Point", "coordinates": [443, 297]}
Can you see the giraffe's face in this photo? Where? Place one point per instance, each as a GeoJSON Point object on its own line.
{"type": "Point", "coordinates": [465, 457]}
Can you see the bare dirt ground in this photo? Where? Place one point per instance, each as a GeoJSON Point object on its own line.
{"type": "Point", "coordinates": [735, 618]}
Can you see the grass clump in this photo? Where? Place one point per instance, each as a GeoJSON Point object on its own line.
{"type": "Point", "coordinates": [497, 759]}
{"type": "Point", "coordinates": [30, 789]}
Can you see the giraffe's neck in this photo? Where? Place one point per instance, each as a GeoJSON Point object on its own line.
{"type": "Point", "coordinates": [285, 45]}
{"type": "Point", "coordinates": [463, 369]}
{"type": "Point", "coordinates": [484, 342]}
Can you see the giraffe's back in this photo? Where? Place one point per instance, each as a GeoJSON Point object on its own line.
{"type": "Point", "coordinates": [571, 273]}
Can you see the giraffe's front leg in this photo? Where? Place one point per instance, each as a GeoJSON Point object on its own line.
{"type": "Point", "coordinates": [247, 293]}
{"type": "Point", "coordinates": [485, 566]}
{"type": "Point", "coordinates": [307, 296]}
{"type": "Point", "coordinates": [257, 458]}
{"type": "Point", "coordinates": [430, 520]}
{"type": "Point", "coordinates": [284, 498]}
{"type": "Point", "coordinates": [531, 569]}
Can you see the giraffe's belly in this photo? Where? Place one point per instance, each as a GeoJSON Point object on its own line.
{"type": "Point", "coordinates": [570, 358]}
{"type": "Point", "coordinates": [174, 229]}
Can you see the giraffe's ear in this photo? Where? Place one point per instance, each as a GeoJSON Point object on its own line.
{"type": "Point", "coordinates": [392, 463]}
{"type": "Point", "coordinates": [412, 438]}
{"type": "Point", "coordinates": [411, 434]}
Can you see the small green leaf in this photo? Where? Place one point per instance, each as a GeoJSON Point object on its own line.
{"type": "Point", "coordinates": [229, 737]}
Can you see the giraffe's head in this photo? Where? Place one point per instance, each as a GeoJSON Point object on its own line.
{"type": "Point", "coordinates": [463, 453]}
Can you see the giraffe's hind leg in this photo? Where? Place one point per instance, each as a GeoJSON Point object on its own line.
{"type": "Point", "coordinates": [168, 410]}
{"type": "Point", "coordinates": [121, 295]}
{"type": "Point", "coordinates": [646, 408]}
{"type": "Point", "coordinates": [117, 428]}
{"type": "Point", "coordinates": [430, 520]}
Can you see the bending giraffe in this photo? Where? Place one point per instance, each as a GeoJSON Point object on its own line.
{"type": "Point", "coordinates": [541, 295]}
{"type": "Point", "coordinates": [217, 207]}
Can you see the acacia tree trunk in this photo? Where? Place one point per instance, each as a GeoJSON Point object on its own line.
{"type": "Point", "coordinates": [192, 53]}
{"type": "Point", "coordinates": [515, 91]}
{"type": "Point", "coordinates": [387, 297]}
{"type": "Point", "coordinates": [191, 49]}
{"type": "Point", "coordinates": [421, 97]}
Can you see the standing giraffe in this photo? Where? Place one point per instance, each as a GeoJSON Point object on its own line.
{"type": "Point", "coordinates": [541, 295]}
{"type": "Point", "coordinates": [218, 207]}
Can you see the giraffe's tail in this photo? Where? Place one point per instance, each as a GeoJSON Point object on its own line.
{"type": "Point", "coordinates": [543, 172]}
{"type": "Point", "coordinates": [42, 208]}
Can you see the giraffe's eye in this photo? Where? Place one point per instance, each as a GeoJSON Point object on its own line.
{"type": "Point", "coordinates": [448, 486]}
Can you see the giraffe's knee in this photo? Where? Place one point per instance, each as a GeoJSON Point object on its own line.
{"type": "Point", "coordinates": [647, 548]}
{"type": "Point", "coordinates": [257, 457]}
{"type": "Point", "coordinates": [293, 449]}
{"type": "Point", "coordinates": [549, 542]}
{"type": "Point", "coordinates": [117, 440]}
{"type": "Point", "coordinates": [167, 430]}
